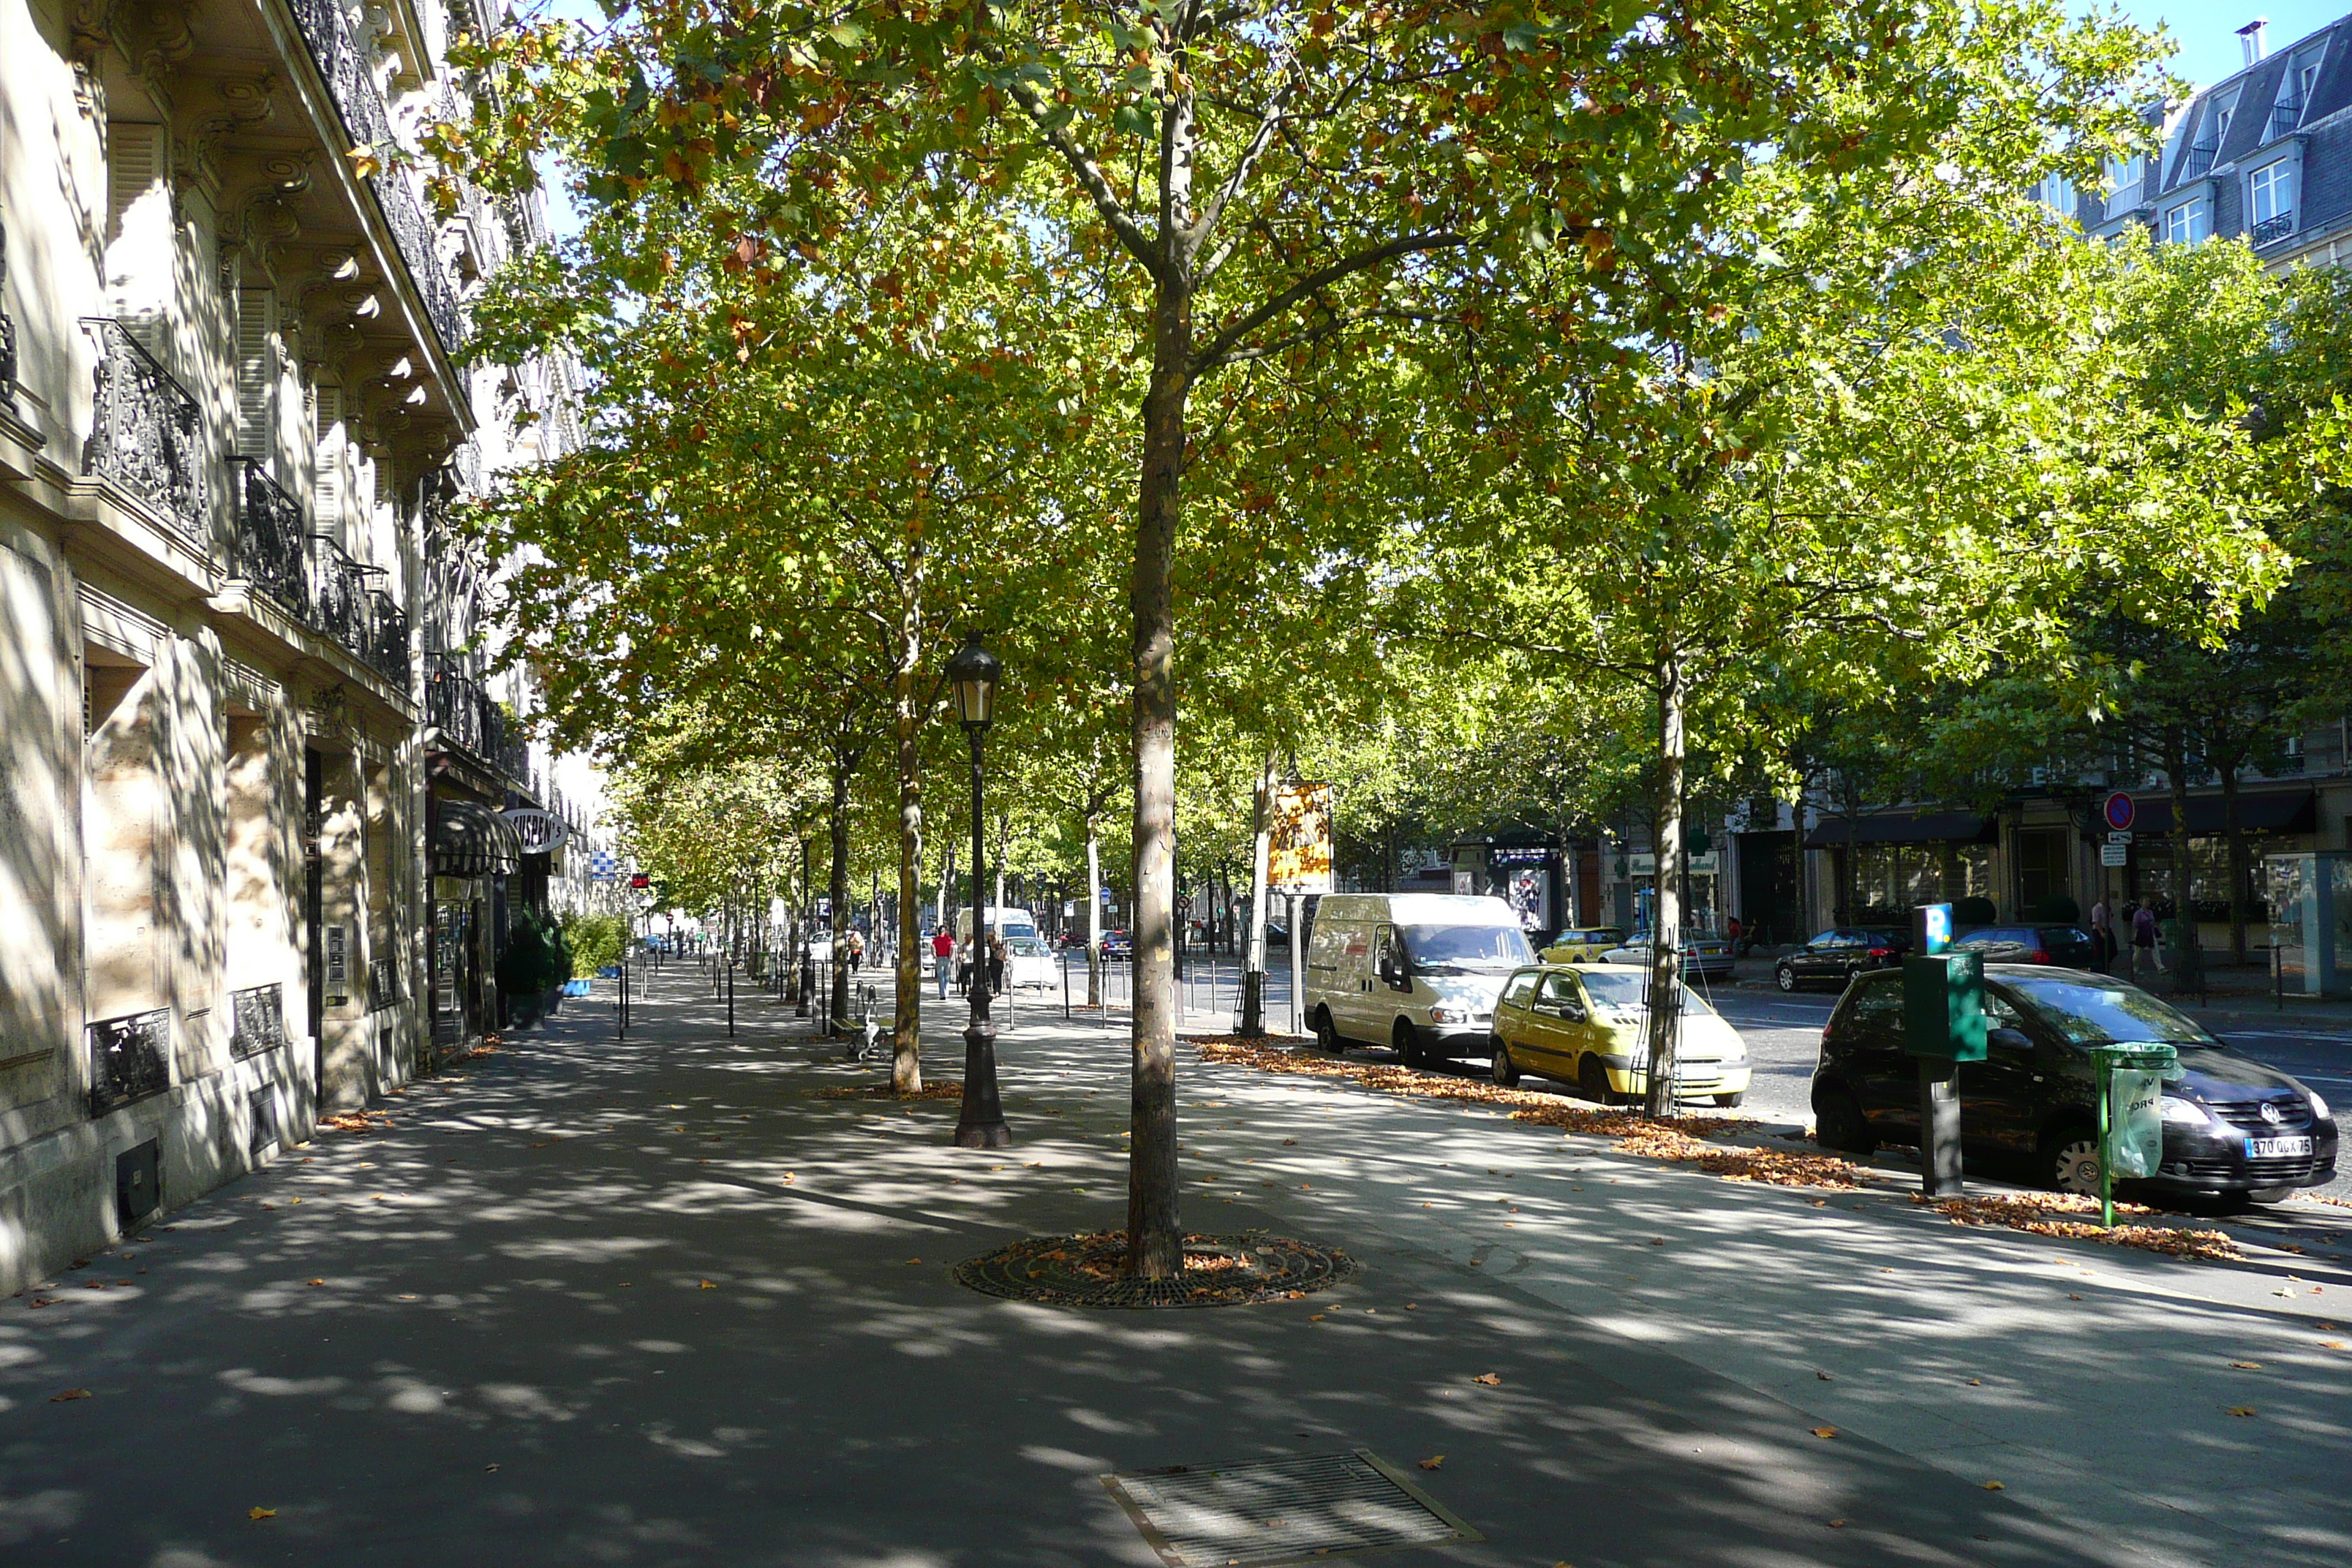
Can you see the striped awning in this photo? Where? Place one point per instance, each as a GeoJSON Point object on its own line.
{"type": "Point", "coordinates": [471, 840]}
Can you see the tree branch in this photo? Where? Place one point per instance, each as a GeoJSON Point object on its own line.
{"type": "Point", "coordinates": [1214, 355]}
{"type": "Point", "coordinates": [1089, 175]}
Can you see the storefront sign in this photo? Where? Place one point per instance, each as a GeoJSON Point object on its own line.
{"type": "Point", "coordinates": [1706, 864]}
{"type": "Point", "coordinates": [1298, 857]}
{"type": "Point", "coordinates": [541, 831]}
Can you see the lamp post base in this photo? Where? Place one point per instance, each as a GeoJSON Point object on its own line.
{"type": "Point", "coordinates": [982, 1124]}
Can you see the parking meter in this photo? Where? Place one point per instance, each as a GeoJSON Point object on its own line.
{"type": "Point", "coordinates": [1943, 1025]}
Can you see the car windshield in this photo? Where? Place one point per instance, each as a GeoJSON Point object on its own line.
{"type": "Point", "coordinates": [2085, 1013]}
{"type": "Point", "coordinates": [1026, 946]}
{"type": "Point", "coordinates": [1628, 990]}
{"type": "Point", "coordinates": [1467, 947]}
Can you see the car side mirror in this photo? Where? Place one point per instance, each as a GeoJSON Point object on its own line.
{"type": "Point", "coordinates": [1573, 1011]}
{"type": "Point", "coordinates": [2014, 1040]}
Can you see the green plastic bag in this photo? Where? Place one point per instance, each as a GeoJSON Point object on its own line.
{"type": "Point", "coordinates": [2135, 1121]}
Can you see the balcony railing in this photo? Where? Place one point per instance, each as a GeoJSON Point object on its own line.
{"type": "Point", "coordinates": [2201, 158]}
{"type": "Point", "coordinates": [2286, 114]}
{"type": "Point", "coordinates": [390, 653]}
{"type": "Point", "coordinates": [271, 539]}
{"type": "Point", "coordinates": [2272, 228]}
{"type": "Point", "coordinates": [471, 720]}
{"type": "Point", "coordinates": [337, 54]}
{"type": "Point", "coordinates": [340, 598]}
{"type": "Point", "coordinates": [149, 432]}
{"type": "Point", "coordinates": [8, 333]}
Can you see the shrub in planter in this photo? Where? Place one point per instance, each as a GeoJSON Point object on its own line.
{"type": "Point", "coordinates": [1972, 912]}
{"type": "Point", "coordinates": [595, 941]}
{"type": "Point", "coordinates": [2058, 907]}
{"type": "Point", "coordinates": [535, 963]}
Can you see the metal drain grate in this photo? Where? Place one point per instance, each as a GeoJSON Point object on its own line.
{"type": "Point", "coordinates": [1272, 1511]}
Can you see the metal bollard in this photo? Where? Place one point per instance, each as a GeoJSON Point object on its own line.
{"type": "Point", "coordinates": [731, 1001]}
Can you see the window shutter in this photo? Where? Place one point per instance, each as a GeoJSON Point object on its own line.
{"type": "Point", "coordinates": [256, 372]}
{"type": "Point", "coordinates": [327, 491]}
{"type": "Point", "coordinates": [134, 153]}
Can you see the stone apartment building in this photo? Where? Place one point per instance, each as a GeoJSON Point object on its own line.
{"type": "Point", "coordinates": [251, 849]}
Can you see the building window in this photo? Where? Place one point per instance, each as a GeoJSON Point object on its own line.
{"type": "Point", "coordinates": [2189, 222]}
{"type": "Point", "coordinates": [2271, 190]}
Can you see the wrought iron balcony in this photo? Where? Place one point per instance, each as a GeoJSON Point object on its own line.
{"type": "Point", "coordinates": [2201, 158]}
{"type": "Point", "coordinates": [343, 603]}
{"type": "Point", "coordinates": [2272, 228]}
{"type": "Point", "coordinates": [271, 539]}
{"type": "Point", "coordinates": [390, 655]}
{"type": "Point", "coordinates": [457, 706]}
{"type": "Point", "coordinates": [149, 432]}
{"type": "Point", "coordinates": [2285, 116]}
{"type": "Point", "coordinates": [8, 333]}
{"type": "Point", "coordinates": [336, 51]}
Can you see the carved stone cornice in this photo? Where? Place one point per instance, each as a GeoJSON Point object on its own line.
{"type": "Point", "coordinates": [257, 216]}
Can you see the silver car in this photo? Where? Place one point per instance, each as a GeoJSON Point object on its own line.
{"type": "Point", "coordinates": [1709, 957]}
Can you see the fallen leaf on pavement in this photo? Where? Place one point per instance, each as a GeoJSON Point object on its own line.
{"type": "Point", "coordinates": [1994, 1487]}
{"type": "Point", "coordinates": [914, 1261]}
{"type": "Point", "coordinates": [1409, 1306]}
{"type": "Point", "coordinates": [709, 1286]}
{"type": "Point", "coordinates": [2241, 1410]}
{"type": "Point", "coordinates": [1825, 1377]}
{"type": "Point", "coordinates": [1837, 1524]}
{"type": "Point", "coordinates": [1288, 1141]}
{"type": "Point", "coordinates": [489, 1466]}
{"type": "Point", "coordinates": [261, 1513]}
{"type": "Point", "coordinates": [1492, 1380]}
{"type": "Point", "coordinates": [1433, 1462]}
{"type": "Point", "coordinates": [2324, 1344]}
{"type": "Point", "coordinates": [2247, 1366]}
{"type": "Point", "coordinates": [2071, 1297]}
{"type": "Point", "coordinates": [1824, 1431]}
{"type": "Point", "coordinates": [318, 1282]}
{"type": "Point", "coordinates": [1975, 1382]}
{"type": "Point", "coordinates": [69, 1394]}
{"type": "Point", "coordinates": [1313, 1317]}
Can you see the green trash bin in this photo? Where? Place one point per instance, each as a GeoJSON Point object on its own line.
{"type": "Point", "coordinates": [2131, 1113]}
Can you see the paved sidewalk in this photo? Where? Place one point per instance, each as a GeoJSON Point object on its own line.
{"type": "Point", "coordinates": [655, 1302]}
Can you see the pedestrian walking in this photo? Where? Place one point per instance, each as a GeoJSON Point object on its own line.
{"type": "Point", "coordinates": [2103, 936]}
{"type": "Point", "coordinates": [942, 958]}
{"type": "Point", "coordinates": [2144, 960]}
{"type": "Point", "coordinates": [856, 947]}
{"type": "Point", "coordinates": [996, 964]}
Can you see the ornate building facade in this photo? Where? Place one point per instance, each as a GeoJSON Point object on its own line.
{"type": "Point", "coordinates": [246, 741]}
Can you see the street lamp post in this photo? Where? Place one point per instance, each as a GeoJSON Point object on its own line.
{"type": "Point", "coordinates": [973, 672]}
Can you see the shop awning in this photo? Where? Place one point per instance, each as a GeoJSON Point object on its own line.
{"type": "Point", "coordinates": [1903, 827]}
{"type": "Point", "coordinates": [472, 840]}
{"type": "Point", "coordinates": [2267, 811]}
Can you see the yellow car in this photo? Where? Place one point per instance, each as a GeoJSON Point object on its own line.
{"type": "Point", "coordinates": [1583, 944]}
{"type": "Point", "coordinates": [1585, 1023]}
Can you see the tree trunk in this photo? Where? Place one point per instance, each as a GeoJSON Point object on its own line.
{"type": "Point", "coordinates": [1261, 851]}
{"type": "Point", "coordinates": [907, 1020]}
{"type": "Point", "coordinates": [2237, 862]}
{"type": "Point", "coordinates": [843, 764]}
{"type": "Point", "coordinates": [1155, 1226]}
{"type": "Point", "coordinates": [1093, 911]}
{"type": "Point", "coordinates": [1665, 928]}
{"type": "Point", "coordinates": [2186, 959]}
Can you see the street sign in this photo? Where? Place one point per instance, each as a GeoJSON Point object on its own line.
{"type": "Point", "coordinates": [2119, 811]}
{"type": "Point", "coordinates": [2115, 838]}
{"type": "Point", "coordinates": [1298, 852]}
{"type": "Point", "coordinates": [2115, 854]}
{"type": "Point", "coordinates": [604, 866]}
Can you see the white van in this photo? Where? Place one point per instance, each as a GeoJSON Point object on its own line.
{"type": "Point", "coordinates": [1417, 971]}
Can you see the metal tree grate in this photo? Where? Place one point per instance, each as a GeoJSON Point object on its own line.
{"type": "Point", "coordinates": [1272, 1511]}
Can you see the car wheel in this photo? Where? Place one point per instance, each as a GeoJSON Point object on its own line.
{"type": "Point", "coordinates": [1592, 1080]}
{"type": "Point", "coordinates": [2072, 1162]}
{"type": "Point", "coordinates": [1728, 1100]}
{"type": "Point", "coordinates": [1407, 1040]}
{"type": "Point", "coordinates": [1507, 1071]}
{"type": "Point", "coordinates": [1326, 1033]}
{"type": "Point", "coordinates": [1839, 1124]}
{"type": "Point", "coordinates": [1786, 976]}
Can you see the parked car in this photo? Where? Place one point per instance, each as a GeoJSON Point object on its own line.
{"type": "Point", "coordinates": [1837, 955]}
{"type": "Point", "coordinates": [2061, 944]}
{"type": "Point", "coordinates": [2231, 1125]}
{"type": "Point", "coordinates": [1709, 957]}
{"type": "Point", "coordinates": [1029, 961]}
{"type": "Point", "coordinates": [1118, 945]}
{"type": "Point", "coordinates": [1583, 944]}
{"type": "Point", "coordinates": [1586, 1023]}
{"type": "Point", "coordinates": [820, 947]}
{"type": "Point", "coordinates": [1416, 971]}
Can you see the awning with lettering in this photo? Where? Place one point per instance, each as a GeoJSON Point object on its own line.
{"type": "Point", "coordinates": [1903, 827]}
{"type": "Point", "coordinates": [472, 840]}
{"type": "Point", "coordinates": [2264, 811]}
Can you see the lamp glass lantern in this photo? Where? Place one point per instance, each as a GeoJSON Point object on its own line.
{"type": "Point", "coordinates": [974, 673]}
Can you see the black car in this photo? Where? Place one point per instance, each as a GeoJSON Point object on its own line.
{"type": "Point", "coordinates": [2068, 946]}
{"type": "Point", "coordinates": [2231, 1124]}
{"type": "Point", "coordinates": [1836, 956]}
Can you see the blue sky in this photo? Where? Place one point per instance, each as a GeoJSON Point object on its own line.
{"type": "Point", "coordinates": [2207, 30]}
